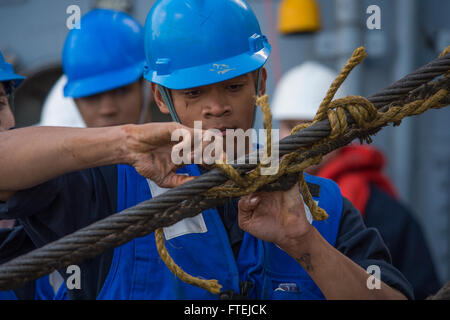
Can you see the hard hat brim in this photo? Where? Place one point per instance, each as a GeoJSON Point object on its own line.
{"type": "Point", "coordinates": [8, 74]}
{"type": "Point", "coordinates": [210, 73]}
{"type": "Point", "coordinates": [15, 78]}
{"type": "Point", "coordinates": [104, 82]}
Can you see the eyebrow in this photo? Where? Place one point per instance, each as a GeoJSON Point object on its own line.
{"type": "Point", "coordinates": [240, 78]}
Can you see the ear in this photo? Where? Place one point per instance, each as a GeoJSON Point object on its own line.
{"type": "Point", "coordinates": [159, 99]}
{"type": "Point", "coordinates": [262, 84]}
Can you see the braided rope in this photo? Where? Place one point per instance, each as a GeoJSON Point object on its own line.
{"type": "Point", "coordinates": [188, 200]}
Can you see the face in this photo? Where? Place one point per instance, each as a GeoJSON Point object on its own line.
{"type": "Point", "coordinates": [6, 116]}
{"type": "Point", "coordinates": [224, 105]}
{"type": "Point", "coordinates": [115, 107]}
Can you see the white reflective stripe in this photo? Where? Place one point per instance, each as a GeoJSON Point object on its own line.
{"type": "Point", "coordinates": [307, 211]}
{"type": "Point", "coordinates": [186, 226]}
{"type": "Point", "coordinates": [155, 190]}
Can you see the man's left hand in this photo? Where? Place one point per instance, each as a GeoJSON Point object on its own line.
{"type": "Point", "coordinates": [277, 217]}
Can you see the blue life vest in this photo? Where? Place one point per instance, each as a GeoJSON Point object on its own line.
{"type": "Point", "coordinates": [8, 295]}
{"type": "Point", "coordinates": [137, 271]}
{"type": "Point", "coordinates": [42, 291]}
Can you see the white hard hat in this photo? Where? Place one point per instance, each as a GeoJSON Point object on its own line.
{"type": "Point", "coordinates": [59, 110]}
{"type": "Point", "coordinates": [301, 90]}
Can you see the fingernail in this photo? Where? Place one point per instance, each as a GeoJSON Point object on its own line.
{"type": "Point", "coordinates": [254, 200]}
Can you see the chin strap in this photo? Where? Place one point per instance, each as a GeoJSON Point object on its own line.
{"type": "Point", "coordinates": [258, 87]}
{"type": "Point", "coordinates": [146, 97]}
{"type": "Point", "coordinates": [167, 98]}
{"type": "Point", "coordinates": [10, 90]}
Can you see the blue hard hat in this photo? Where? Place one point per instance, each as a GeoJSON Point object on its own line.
{"type": "Point", "coordinates": [191, 43]}
{"type": "Point", "coordinates": [107, 52]}
{"type": "Point", "coordinates": [7, 73]}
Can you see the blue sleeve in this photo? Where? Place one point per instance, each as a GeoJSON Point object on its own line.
{"type": "Point", "coordinates": [29, 202]}
{"type": "Point", "coordinates": [62, 206]}
{"type": "Point", "coordinates": [366, 247]}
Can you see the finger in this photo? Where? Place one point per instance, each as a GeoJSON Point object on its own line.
{"type": "Point", "coordinates": [246, 207]}
{"type": "Point", "coordinates": [173, 180]}
{"type": "Point", "coordinates": [156, 133]}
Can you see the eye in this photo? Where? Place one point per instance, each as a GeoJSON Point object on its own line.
{"type": "Point", "coordinates": [234, 87]}
{"type": "Point", "coordinates": [93, 99]}
{"type": "Point", "coordinates": [192, 93]}
{"type": "Point", "coordinates": [122, 90]}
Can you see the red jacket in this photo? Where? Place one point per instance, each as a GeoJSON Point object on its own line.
{"type": "Point", "coordinates": [356, 167]}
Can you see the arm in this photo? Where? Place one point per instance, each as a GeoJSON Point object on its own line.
{"type": "Point", "coordinates": [279, 217]}
{"type": "Point", "coordinates": [31, 156]}
{"type": "Point", "coordinates": [335, 274]}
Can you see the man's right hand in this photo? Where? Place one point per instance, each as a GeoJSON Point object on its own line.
{"type": "Point", "coordinates": [149, 149]}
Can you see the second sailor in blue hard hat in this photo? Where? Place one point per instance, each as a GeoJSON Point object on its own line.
{"type": "Point", "coordinates": [103, 62]}
{"type": "Point", "coordinates": [9, 81]}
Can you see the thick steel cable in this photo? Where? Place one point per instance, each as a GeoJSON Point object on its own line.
{"type": "Point", "coordinates": [186, 200]}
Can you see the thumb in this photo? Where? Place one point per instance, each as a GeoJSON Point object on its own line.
{"type": "Point", "coordinates": [248, 203]}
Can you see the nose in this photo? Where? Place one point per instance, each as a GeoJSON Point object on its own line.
{"type": "Point", "coordinates": [108, 105]}
{"type": "Point", "coordinates": [217, 105]}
